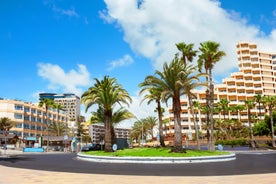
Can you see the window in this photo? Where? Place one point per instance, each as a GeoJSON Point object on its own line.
{"type": "Point", "coordinates": [27, 118]}
{"type": "Point", "coordinates": [19, 125]}
{"type": "Point", "coordinates": [26, 109]}
{"type": "Point", "coordinates": [18, 107]}
{"type": "Point", "coordinates": [18, 116]}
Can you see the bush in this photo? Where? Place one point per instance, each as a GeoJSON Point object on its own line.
{"type": "Point", "coordinates": [234, 142]}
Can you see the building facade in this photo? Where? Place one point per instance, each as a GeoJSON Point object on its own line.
{"type": "Point", "coordinates": [69, 101]}
{"type": "Point", "coordinates": [256, 75]}
{"type": "Point", "coordinates": [96, 132]}
{"type": "Point", "coordinates": [30, 119]}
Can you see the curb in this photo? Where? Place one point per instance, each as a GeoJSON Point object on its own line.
{"type": "Point", "coordinates": [157, 160]}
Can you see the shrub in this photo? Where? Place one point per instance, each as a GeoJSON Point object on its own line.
{"type": "Point", "coordinates": [234, 142]}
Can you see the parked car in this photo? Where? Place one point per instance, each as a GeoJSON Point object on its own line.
{"type": "Point", "coordinates": [91, 147]}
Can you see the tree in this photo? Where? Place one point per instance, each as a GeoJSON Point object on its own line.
{"type": "Point", "coordinates": [154, 94]}
{"type": "Point", "coordinates": [170, 81]}
{"type": "Point", "coordinates": [106, 93]}
{"type": "Point", "coordinates": [186, 51]}
{"type": "Point", "coordinates": [270, 103]}
{"type": "Point", "coordinates": [58, 129]}
{"type": "Point", "coordinates": [210, 55]}
{"type": "Point", "coordinates": [46, 103]}
{"type": "Point", "coordinates": [58, 107]}
{"type": "Point", "coordinates": [150, 122]}
{"type": "Point", "coordinates": [239, 108]}
{"type": "Point", "coordinates": [224, 106]}
{"type": "Point", "coordinates": [6, 124]}
{"type": "Point", "coordinates": [250, 105]}
{"type": "Point", "coordinates": [258, 99]}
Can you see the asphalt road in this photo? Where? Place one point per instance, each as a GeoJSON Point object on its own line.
{"type": "Point", "coordinates": [246, 163]}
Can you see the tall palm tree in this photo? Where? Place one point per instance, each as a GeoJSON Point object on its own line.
{"type": "Point", "coordinates": [258, 99]}
{"type": "Point", "coordinates": [250, 105]}
{"type": "Point", "coordinates": [189, 83]}
{"type": "Point", "coordinates": [270, 103]}
{"type": "Point", "coordinates": [210, 55]}
{"type": "Point", "coordinates": [46, 103]}
{"type": "Point", "coordinates": [6, 124]}
{"type": "Point", "coordinates": [154, 94]}
{"type": "Point", "coordinates": [58, 107]}
{"type": "Point", "coordinates": [106, 93]}
{"type": "Point", "coordinates": [169, 80]}
{"type": "Point", "coordinates": [187, 52]}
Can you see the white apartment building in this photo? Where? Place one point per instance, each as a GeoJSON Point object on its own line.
{"type": "Point", "coordinates": [256, 75]}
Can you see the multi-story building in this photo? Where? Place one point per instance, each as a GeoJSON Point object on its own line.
{"type": "Point", "coordinates": [30, 119]}
{"type": "Point", "coordinates": [70, 103]}
{"type": "Point", "coordinates": [96, 132]}
{"type": "Point", "coordinates": [256, 75]}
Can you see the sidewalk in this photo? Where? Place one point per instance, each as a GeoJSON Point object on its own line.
{"type": "Point", "coordinates": [25, 176]}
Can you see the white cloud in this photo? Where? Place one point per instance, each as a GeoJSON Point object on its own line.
{"type": "Point", "coordinates": [124, 61]}
{"type": "Point", "coordinates": [152, 28]}
{"type": "Point", "coordinates": [60, 80]}
{"type": "Point", "coordinates": [71, 12]}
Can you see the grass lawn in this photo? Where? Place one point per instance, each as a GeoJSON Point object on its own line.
{"type": "Point", "coordinates": [156, 152]}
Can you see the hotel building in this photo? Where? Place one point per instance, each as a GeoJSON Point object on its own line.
{"type": "Point", "coordinates": [30, 118]}
{"type": "Point", "coordinates": [70, 103]}
{"type": "Point", "coordinates": [256, 75]}
{"type": "Point", "coordinates": [96, 132]}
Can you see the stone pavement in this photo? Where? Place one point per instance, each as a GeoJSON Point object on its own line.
{"type": "Point", "coordinates": [9, 175]}
{"type": "Point", "coordinates": [25, 176]}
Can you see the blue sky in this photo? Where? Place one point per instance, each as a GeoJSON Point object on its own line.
{"type": "Point", "coordinates": [61, 46]}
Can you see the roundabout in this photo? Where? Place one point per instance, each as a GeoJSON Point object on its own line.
{"type": "Point", "coordinates": [156, 160]}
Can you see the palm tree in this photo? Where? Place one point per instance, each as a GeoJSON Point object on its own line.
{"type": "Point", "coordinates": [106, 93]}
{"type": "Point", "coordinates": [189, 83]}
{"type": "Point", "coordinates": [58, 129]}
{"type": "Point", "coordinates": [149, 123]}
{"type": "Point", "coordinates": [270, 103]}
{"type": "Point", "coordinates": [250, 105]}
{"type": "Point", "coordinates": [59, 107]}
{"type": "Point", "coordinates": [187, 52]}
{"type": "Point", "coordinates": [6, 124]}
{"type": "Point", "coordinates": [239, 108]}
{"type": "Point", "coordinates": [224, 106]}
{"type": "Point", "coordinates": [169, 80]}
{"type": "Point", "coordinates": [258, 99]}
{"type": "Point", "coordinates": [154, 94]}
{"type": "Point", "coordinates": [210, 55]}
{"type": "Point", "coordinates": [46, 103]}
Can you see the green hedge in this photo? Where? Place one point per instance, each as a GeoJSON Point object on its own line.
{"type": "Point", "coordinates": [234, 142]}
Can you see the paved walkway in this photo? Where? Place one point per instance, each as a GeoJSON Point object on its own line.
{"type": "Point", "coordinates": [25, 176]}
{"type": "Point", "coordinates": [9, 175]}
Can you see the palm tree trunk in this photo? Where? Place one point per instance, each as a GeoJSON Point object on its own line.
{"type": "Point", "coordinates": [107, 135]}
{"type": "Point", "coordinates": [161, 136]}
{"type": "Point", "coordinates": [272, 127]}
{"type": "Point", "coordinates": [212, 141]}
{"type": "Point", "coordinates": [195, 124]}
{"type": "Point", "coordinates": [252, 141]}
{"type": "Point", "coordinates": [177, 125]}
